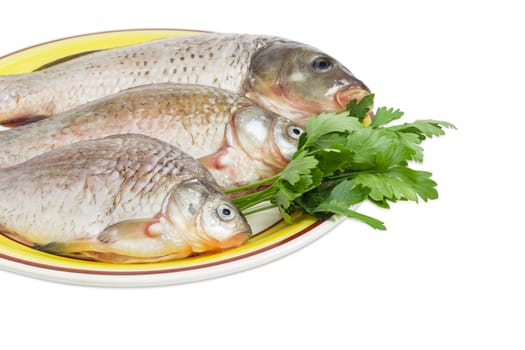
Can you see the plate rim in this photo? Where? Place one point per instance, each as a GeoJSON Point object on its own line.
{"type": "Point", "coordinates": [98, 33]}
{"type": "Point", "coordinates": [221, 268]}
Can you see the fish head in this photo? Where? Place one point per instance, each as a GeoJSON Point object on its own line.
{"type": "Point", "coordinates": [264, 136]}
{"type": "Point", "coordinates": [298, 81]}
{"type": "Point", "coordinates": [204, 217]}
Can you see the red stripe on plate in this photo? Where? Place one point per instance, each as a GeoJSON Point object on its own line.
{"type": "Point", "coordinates": [152, 272]}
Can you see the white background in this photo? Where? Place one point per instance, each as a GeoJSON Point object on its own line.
{"type": "Point", "coordinates": [446, 275]}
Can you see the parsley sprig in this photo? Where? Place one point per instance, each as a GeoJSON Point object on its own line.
{"type": "Point", "coordinates": [340, 163]}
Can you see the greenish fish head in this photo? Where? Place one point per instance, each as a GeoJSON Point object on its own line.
{"type": "Point", "coordinates": [205, 218]}
{"type": "Point", "coordinates": [298, 81]}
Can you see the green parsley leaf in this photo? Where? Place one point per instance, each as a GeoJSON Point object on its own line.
{"type": "Point", "coordinates": [366, 144]}
{"type": "Point", "coordinates": [333, 159]}
{"type": "Point", "coordinates": [337, 208]}
{"type": "Point", "coordinates": [299, 168]}
{"type": "Point", "coordinates": [419, 180]}
{"type": "Point", "coordinates": [327, 124]}
{"type": "Point", "coordinates": [385, 115]}
{"type": "Point", "coordinates": [360, 109]}
{"type": "Point", "coordinates": [412, 146]}
{"type": "Point", "coordinates": [424, 128]}
{"type": "Point", "coordinates": [386, 186]}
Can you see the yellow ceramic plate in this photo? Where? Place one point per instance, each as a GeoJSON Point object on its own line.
{"type": "Point", "coordinates": [274, 239]}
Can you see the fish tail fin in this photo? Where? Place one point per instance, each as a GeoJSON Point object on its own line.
{"type": "Point", "coordinates": [13, 112]}
{"type": "Point", "coordinates": [75, 249]}
{"type": "Point", "coordinates": [61, 248]}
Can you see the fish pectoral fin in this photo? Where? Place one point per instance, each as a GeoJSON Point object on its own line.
{"type": "Point", "coordinates": [226, 157]}
{"type": "Point", "coordinates": [228, 166]}
{"type": "Point", "coordinates": [211, 161]}
{"type": "Point", "coordinates": [126, 241]}
{"type": "Point", "coordinates": [137, 229]}
{"type": "Point", "coordinates": [128, 230]}
{"type": "Point", "coordinates": [139, 240]}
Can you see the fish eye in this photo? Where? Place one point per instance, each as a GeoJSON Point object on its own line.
{"type": "Point", "coordinates": [225, 212]}
{"type": "Point", "coordinates": [294, 131]}
{"type": "Point", "coordinates": [322, 64]}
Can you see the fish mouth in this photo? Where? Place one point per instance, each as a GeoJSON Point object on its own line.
{"type": "Point", "coordinates": [235, 240]}
{"type": "Point", "coordinates": [346, 94]}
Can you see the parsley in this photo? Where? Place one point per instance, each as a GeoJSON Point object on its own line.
{"type": "Point", "coordinates": [340, 163]}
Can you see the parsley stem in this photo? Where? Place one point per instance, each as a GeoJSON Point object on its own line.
{"type": "Point", "coordinates": [251, 199]}
{"type": "Point", "coordinates": [254, 184]}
